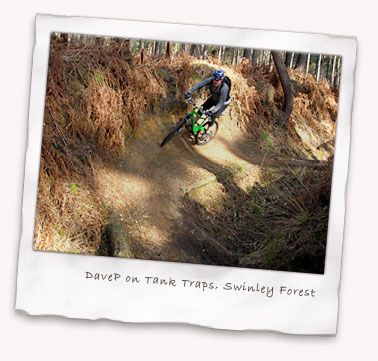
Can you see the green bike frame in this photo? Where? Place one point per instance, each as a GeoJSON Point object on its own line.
{"type": "Point", "coordinates": [195, 116]}
{"type": "Point", "coordinates": [190, 121]}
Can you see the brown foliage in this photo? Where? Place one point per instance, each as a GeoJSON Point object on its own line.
{"type": "Point", "coordinates": [95, 96]}
{"type": "Point", "coordinates": [278, 224]}
{"type": "Point", "coordinates": [315, 106]}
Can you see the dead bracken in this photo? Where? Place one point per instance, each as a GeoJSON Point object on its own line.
{"type": "Point", "coordinates": [107, 109]}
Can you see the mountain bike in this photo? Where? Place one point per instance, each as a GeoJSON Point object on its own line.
{"type": "Point", "coordinates": [197, 123]}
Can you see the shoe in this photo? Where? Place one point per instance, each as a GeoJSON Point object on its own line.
{"type": "Point", "coordinates": [204, 136]}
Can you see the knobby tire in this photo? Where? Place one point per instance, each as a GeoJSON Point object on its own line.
{"type": "Point", "coordinates": [171, 134]}
{"type": "Point", "coordinates": [214, 131]}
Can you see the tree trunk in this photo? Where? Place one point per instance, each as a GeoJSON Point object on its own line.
{"type": "Point", "coordinates": [167, 50]}
{"type": "Point", "coordinates": [182, 48]}
{"type": "Point", "coordinates": [308, 63]}
{"type": "Point", "coordinates": [328, 70]}
{"type": "Point", "coordinates": [291, 61]}
{"type": "Point", "coordinates": [238, 56]}
{"type": "Point", "coordinates": [338, 72]}
{"type": "Point", "coordinates": [333, 71]}
{"type": "Point", "coordinates": [153, 50]}
{"type": "Point", "coordinates": [301, 62]}
{"type": "Point", "coordinates": [157, 48]}
{"type": "Point", "coordinates": [288, 57]}
{"type": "Point", "coordinates": [268, 56]}
{"type": "Point", "coordinates": [247, 54]}
{"type": "Point", "coordinates": [197, 51]}
{"type": "Point", "coordinates": [201, 51]}
{"type": "Point", "coordinates": [234, 57]}
{"type": "Point", "coordinates": [228, 54]}
{"type": "Point", "coordinates": [177, 49]}
{"type": "Point", "coordinates": [150, 48]}
{"type": "Point", "coordinates": [271, 62]}
{"type": "Point", "coordinates": [318, 66]}
{"type": "Point", "coordinates": [221, 54]}
{"type": "Point", "coordinates": [263, 57]}
{"type": "Point", "coordinates": [223, 57]}
{"type": "Point", "coordinates": [255, 56]}
{"type": "Point", "coordinates": [286, 86]}
{"type": "Point", "coordinates": [205, 52]}
{"type": "Point", "coordinates": [192, 49]}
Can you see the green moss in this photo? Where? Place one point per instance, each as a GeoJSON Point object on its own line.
{"type": "Point", "coordinates": [62, 233]}
{"type": "Point", "coordinates": [74, 188]}
{"type": "Point", "coordinates": [196, 78]}
{"type": "Point", "coordinates": [100, 77]}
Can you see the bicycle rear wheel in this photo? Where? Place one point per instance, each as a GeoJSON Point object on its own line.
{"type": "Point", "coordinates": [204, 137]}
{"type": "Point", "coordinates": [174, 131]}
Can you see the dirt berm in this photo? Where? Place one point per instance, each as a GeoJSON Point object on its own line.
{"type": "Point", "coordinates": [154, 184]}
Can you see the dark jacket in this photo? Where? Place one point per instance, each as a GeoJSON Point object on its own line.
{"type": "Point", "coordinates": [218, 93]}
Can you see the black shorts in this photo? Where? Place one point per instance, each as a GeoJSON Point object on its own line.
{"type": "Point", "coordinates": [209, 103]}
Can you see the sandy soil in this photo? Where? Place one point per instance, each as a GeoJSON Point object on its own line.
{"type": "Point", "coordinates": [151, 181]}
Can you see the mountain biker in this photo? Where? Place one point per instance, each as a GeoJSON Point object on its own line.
{"type": "Point", "coordinates": [220, 95]}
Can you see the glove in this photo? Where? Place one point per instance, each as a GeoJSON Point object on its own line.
{"type": "Point", "coordinates": [209, 113]}
{"type": "Point", "coordinates": [187, 95]}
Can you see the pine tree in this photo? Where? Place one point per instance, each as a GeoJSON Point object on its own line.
{"type": "Point", "coordinates": [286, 86]}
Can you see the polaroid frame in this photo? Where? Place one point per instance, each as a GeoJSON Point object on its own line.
{"type": "Point", "coordinates": [56, 284]}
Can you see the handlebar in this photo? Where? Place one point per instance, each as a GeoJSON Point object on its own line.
{"type": "Point", "coordinates": [192, 102]}
{"type": "Point", "coordinates": [196, 106]}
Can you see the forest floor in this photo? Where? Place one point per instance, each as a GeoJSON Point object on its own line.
{"type": "Point", "coordinates": [256, 196]}
{"type": "Point", "coordinates": [151, 188]}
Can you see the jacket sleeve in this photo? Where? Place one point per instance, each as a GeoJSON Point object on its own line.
{"type": "Point", "coordinates": [222, 98]}
{"type": "Point", "coordinates": [201, 84]}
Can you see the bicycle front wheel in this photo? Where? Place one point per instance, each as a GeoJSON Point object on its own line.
{"type": "Point", "coordinates": [174, 131]}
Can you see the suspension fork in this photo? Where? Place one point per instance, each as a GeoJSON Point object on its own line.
{"type": "Point", "coordinates": [197, 127]}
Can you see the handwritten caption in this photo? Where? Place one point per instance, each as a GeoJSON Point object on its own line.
{"type": "Point", "coordinates": [242, 287]}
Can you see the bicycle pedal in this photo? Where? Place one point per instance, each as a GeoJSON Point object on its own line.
{"type": "Point", "coordinates": [204, 136]}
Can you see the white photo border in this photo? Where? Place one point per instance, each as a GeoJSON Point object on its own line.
{"type": "Point", "coordinates": [55, 284]}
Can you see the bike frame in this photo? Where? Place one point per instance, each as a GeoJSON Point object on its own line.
{"type": "Point", "coordinates": [195, 116]}
{"type": "Point", "coordinates": [190, 120]}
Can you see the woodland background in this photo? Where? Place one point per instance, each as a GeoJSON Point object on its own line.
{"type": "Point", "coordinates": [102, 95]}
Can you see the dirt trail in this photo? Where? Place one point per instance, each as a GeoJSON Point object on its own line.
{"type": "Point", "coordinates": [150, 190]}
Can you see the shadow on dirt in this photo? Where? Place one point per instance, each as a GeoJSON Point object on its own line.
{"type": "Point", "coordinates": [278, 226]}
